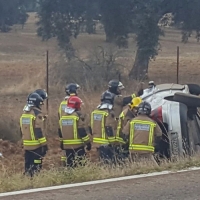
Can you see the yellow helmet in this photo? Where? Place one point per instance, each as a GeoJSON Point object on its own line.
{"type": "Point", "coordinates": [135, 102]}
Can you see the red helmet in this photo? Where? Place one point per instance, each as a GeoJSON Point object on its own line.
{"type": "Point", "coordinates": [74, 102]}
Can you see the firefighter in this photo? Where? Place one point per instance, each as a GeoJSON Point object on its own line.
{"type": "Point", "coordinates": [73, 131]}
{"type": "Point", "coordinates": [142, 134]}
{"type": "Point", "coordinates": [71, 89]}
{"type": "Point", "coordinates": [127, 114]}
{"type": "Point", "coordinates": [34, 141]}
{"type": "Point", "coordinates": [102, 120]}
{"type": "Point", "coordinates": [115, 87]}
{"type": "Point", "coordinates": [116, 103]}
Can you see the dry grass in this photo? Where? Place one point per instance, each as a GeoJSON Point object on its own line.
{"type": "Point", "coordinates": [12, 180]}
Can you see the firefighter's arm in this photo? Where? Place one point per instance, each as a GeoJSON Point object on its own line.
{"type": "Point", "coordinates": [20, 131]}
{"type": "Point", "coordinates": [125, 132]}
{"type": "Point", "coordinates": [140, 90]}
{"type": "Point", "coordinates": [38, 127]}
{"type": "Point", "coordinates": [82, 130]}
{"type": "Point", "coordinates": [158, 131]}
{"type": "Point", "coordinates": [87, 126]}
{"type": "Point", "coordinates": [128, 99]}
{"type": "Point", "coordinates": [21, 141]}
{"type": "Point", "coordinates": [58, 116]}
{"type": "Point", "coordinates": [83, 133]}
{"type": "Point", "coordinates": [157, 134]}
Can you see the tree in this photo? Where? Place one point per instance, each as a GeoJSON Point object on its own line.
{"type": "Point", "coordinates": [60, 19]}
{"type": "Point", "coordinates": [115, 18]}
{"type": "Point", "coordinates": [186, 16]}
{"type": "Point", "coordinates": [146, 16]}
{"type": "Point", "coordinates": [31, 5]}
{"type": "Point", "coordinates": [11, 12]}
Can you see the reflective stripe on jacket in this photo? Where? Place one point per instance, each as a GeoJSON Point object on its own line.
{"type": "Point", "coordinates": [62, 107]}
{"type": "Point", "coordinates": [98, 118]}
{"type": "Point", "coordinates": [142, 128]}
{"type": "Point", "coordinates": [119, 139]}
{"type": "Point", "coordinates": [31, 140]}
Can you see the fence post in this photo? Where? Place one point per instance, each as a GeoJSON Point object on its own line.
{"type": "Point", "coordinates": [47, 79]}
{"type": "Point", "coordinates": [177, 69]}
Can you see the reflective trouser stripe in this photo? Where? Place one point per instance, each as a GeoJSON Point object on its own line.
{"type": "Point", "coordinates": [37, 161]}
{"type": "Point", "coordinates": [63, 158]}
{"type": "Point", "coordinates": [100, 141]}
{"type": "Point", "coordinates": [72, 142]}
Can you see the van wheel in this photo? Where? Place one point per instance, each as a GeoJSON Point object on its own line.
{"type": "Point", "coordinates": [187, 99]}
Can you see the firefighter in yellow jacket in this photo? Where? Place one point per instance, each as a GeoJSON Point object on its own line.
{"type": "Point", "coordinates": [102, 125]}
{"type": "Point", "coordinates": [142, 134]}
{"type": "Point", "coordinates": [70, 90]}
{"type": "Point", "coordinates": [117, 102]}
{"type": "Point", "coordinates": [34, 140]}
{"type": "Point", "coordinates": [127, 114]}
{"type": "Point", "coordinates": [73, 131]}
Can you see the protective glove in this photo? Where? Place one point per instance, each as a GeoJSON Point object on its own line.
{"type": "Point", "coordinates": [89, 146]}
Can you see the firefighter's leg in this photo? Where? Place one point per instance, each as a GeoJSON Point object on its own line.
{"type": "Point", "coordinates": [63, 161]}
{"type": "Point", "coordinates": [29, 162]}
{"type": "Point", "coordinates": [105, 153]}
{"type": "Point", "coordinates": [38, 160]}
{"type": "Point", "coordinates": [80, 155]}
{"type": "Point", "coordinates": [70, 154]}
{"type": "Point", "coordinates": [125, 150]}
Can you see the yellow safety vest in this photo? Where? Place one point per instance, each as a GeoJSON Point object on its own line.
{"type": "Point", "coordinates": [72, 121]}
{"type": "Point", "coordinates": [62, 107]}
{"type": "Point", "coordinates": [139, 147]}
{"type": "Point", "coordinates": [27, 119]}
{"type": "Point", "coordinates": [99, 115]}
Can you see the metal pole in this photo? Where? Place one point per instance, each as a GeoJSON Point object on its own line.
{"type": "Point", "coordinates": [47, 79]}
{"type": "Point", "coordinates": [177, 70]}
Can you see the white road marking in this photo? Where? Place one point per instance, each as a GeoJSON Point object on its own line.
{"type": "Point", "coordinates": [96, 182]}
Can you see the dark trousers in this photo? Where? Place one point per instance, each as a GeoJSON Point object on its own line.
{"type": "Point", "coordinates": [106, 153]}
{"type": "Point", "coordinates": [121, 152]}
{"type": "Point", "coordinates": [75, 156]}
{"type": "Point", "coordinates": [33, 161]}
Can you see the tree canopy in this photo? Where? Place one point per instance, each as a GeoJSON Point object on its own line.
{"type": "Point", "coordinates": [63, 20]}
{"type": "Point", "coordinates": [12, 12]}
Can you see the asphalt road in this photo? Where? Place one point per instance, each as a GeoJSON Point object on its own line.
{"type": "Point", "coordinates": [181, 186]}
